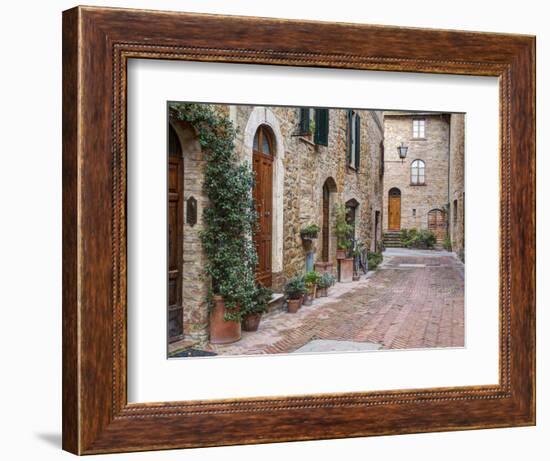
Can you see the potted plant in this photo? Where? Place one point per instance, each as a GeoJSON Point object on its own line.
{"type": "Point", "coordinates": [343, 231]}
{"type": "Point", "coordinates": [310, 280]}
{"type": "Point", "coordinates": [228, 219]}
{"type": "Point", "coordinates": [356, 253]}
{"type": "Point", "coordinates": [325, 282]}
{"type": "Point", "coordinates": [251, 318]}
{"type": "Point", "coordinates": [294, 290]}
{"type": "Point", "coordinates": [310, 232]}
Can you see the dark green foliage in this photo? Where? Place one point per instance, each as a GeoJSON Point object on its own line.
{"type": "Point", "coordinates": [311, 278]}
{"type": "Point", "coordinates": [229, 218]}
{"type": "Point", "coordinates": [342, 229]}
{"type": "Point", "coordinates": [374, 260]}
{"type": "Point", "coordinates": [310, 231]}
{"type": "Point", "coordinates": [447, 244]}
{"type": "Point", "coordinates": [326, 280]}
{"type": "Point", "coordinates": [413, 238]}
{"type": "Point", "coordinates": [295, 287]}
{"type": "Point", "coordinates": [261, 300]}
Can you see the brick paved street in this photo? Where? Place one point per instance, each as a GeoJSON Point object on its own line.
{"type": "Point", "coordinates": [414, 300]}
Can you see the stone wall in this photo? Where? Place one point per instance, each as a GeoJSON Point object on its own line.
{"type": "Point", "coordinates": [456, 185]}
{"type": "Point", "coordinates": [433, 149]}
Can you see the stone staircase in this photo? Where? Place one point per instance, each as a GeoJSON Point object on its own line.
{"type": "Point", "coordinates": [392, 239]}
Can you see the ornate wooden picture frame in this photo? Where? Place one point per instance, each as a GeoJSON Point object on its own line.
{"type": "Point", "coordinates": [97, 44]}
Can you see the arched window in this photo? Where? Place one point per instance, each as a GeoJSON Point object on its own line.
{"type": "Point", "coordinates": [417, 172]}
{"type": "Point", "coordinates": [263, 143]}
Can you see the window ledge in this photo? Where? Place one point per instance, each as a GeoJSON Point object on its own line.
{"type": "Point", "coordinates": [419, 139]}
{"type": "Point", "coordinates": [417, 185]}
{"type": "Point", "coordinates": [306, 140]}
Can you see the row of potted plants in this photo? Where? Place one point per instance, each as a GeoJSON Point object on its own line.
{"type": "Point", "coordinates": [304, 289]}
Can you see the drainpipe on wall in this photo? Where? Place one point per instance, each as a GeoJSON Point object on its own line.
{"type": "Point", "coordinates": [449, 180]}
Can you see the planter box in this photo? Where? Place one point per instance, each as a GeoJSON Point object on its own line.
{"type": "Point", "coordinates": [345, 270]}
{"type": "Point", "coordinates": [341, 254]}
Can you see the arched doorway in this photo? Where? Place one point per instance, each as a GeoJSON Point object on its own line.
{"type": "Point", "coordinates": [262, 163]}
{"type": "Point", "coordinates": [437, 223]}
{"type": "Point", "coordinates": [394, 209]}
{"type": "Point", "coordinates": [351, 214]}
{"type": "Point", "coordinates": [175, 236]}
{"type": "Point", "coordinates": [329, 187]}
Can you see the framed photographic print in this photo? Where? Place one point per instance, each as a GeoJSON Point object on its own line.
{"type": "Point", "coordinates": [284, 230]}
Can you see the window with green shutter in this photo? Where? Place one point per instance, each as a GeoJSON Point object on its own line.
{"type": "Point", "coordinates": [321, 127]}
{"type": "Point", "coordinates": [304, 120]}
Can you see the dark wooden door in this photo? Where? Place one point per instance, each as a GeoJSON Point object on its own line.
{"type": "Point", "coordinates": [262, 160]}
{"type": "Point", "coordinates": [175, 241]}
{"type": "Point", "coordinates": [437, 223]}
{"type": "Point", "coordinates": [326, 219]}
{"type": "Point", "coordinates": [394, 210]}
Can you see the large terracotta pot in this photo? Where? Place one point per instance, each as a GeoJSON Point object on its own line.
{"type": "Point", "coordinates": [345, 273]}
{"type": "Point", "coordinates": [294, 305]}
{"type": "Point", "coordinates": [223, 331]}
{"type": "Point", "coordinates": [251, 322]}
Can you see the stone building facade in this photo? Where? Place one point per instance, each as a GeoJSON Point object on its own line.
{"type": "Point", "coordinates": [308, 178]}
{"type": "Point", "coordinates": [426, 189]}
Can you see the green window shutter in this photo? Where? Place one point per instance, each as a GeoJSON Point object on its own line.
{"type": "Point", "coordinates": [357, 140]}
{"type": "Point", "coordinates": [304, 120]}
{"type": "Point", "coordinates": [348, 136]}
{"type": "Point", "coordinates": [321, 127]}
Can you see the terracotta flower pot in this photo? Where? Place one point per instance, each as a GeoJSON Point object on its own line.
{"type": "Point", "coordinates": [322, 292]}
{"type": "Point", "coordinates": [251, 322]}
{"type": "Point", "coordinates": [341, 254]}
{"type": "Point", "coordinates": [223, 331]}
{"type": "Point", "coordinates": [345, 272]}
{"type": "Point", "coordinates": [294, 305]}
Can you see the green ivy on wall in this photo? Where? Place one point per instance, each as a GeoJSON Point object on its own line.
{"type": "Point", "coordinates": [229, 218]}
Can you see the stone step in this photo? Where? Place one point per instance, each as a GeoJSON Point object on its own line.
{"type": "Point", "coordinates": [276, 304]}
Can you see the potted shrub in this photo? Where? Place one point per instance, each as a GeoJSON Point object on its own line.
{"type": "Point", "coordinates": [294, 290]}
{"type": "Point", "coordinates": [343, 232]}
{"type": "Point", "coordinates": [251, 318]}
{"type": "Point", "coordinates": [310, 280]}
{"type": "Point", "coordinates": [325, 282]}
{"type": "Point", "coordinates": [229, 218]}
{"type": "Point", "coordinates": [374, 260]}
{"type": "Point", "coordinates": [310, 232]}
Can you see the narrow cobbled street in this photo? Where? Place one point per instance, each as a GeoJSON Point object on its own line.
{"type": "Point", "coordinates": [414, 300]}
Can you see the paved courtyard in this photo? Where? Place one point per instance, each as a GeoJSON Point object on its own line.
{"type": "Point", "coordinates": [414, 300]}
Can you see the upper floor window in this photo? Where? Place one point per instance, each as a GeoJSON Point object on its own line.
{"type": "Point", "coordinates": [354, 139]}
{"type": "Point", "coordinates": [417, 172]}
{"type": "Point", "coordinates": [419, 128]}
{"type": "Point", "coordinates": [316, 122]}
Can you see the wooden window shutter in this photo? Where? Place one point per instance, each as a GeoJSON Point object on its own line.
{"type": "Point", "coordinates": [357, 140]}
{"type": "Point", "coordinates": [321, 127]}
{"type": "Point", "coordinates": [348, 136]}
{"type": "Point", "coordinates": [304, 120]}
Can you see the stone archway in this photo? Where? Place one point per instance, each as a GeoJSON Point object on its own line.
{"type": "Point", "coordinates": [329, 189]}
{"type": "Point", "coordinates": [264, 116]}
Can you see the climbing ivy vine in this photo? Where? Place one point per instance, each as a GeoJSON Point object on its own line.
{"type": "Point", "coordinates": [229, 218]}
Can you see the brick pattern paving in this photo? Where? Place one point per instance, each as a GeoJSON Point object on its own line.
{"type": "Point", "coordinates": [409, 302]}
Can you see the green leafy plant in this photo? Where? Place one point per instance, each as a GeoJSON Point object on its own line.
{"type": "Point", "coordinates": [229, 218]}
{"type": "Point", "coordinates": [342, 229]}
{"type": "Point", "coordinates": [413, 238]}
{"type": "Point", "coordinates": [295, 287]}
{"type": "Point", "coordinates": [326, 280]}
{"type": "Point", "coordinates": [310, 231]}
{"type": "Point", "coordinates": [374, 260]}
{"type": "Point", "coordinates": [311, 278]}
{"type": "Point", "coordinates": [260, 300]}
{"type": "Point", "coordinates": [447, 244]}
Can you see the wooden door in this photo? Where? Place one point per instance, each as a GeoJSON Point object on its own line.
{"type": "Point", "coordinates": [326, 220]}
{"type": "Point", "coordinates": [437, 223]}
{"type": "Point", "coordinates": [262, 161]}
{"type": "Point", "coordinates": [394, 210]}
{"type": "Point", "coordinates": [175, 240]}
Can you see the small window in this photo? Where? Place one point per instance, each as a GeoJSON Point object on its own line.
{"type": "Point", "coordinates": [354, 139]}
{"type": "Point", "coordinates": [316, 122]}
{"type": "Point", "coordinates": [419, 128]}
{"type": "Point", "coordinates": [417, 172]}
{"type": "Point", "coordinates": [414, 212]}
{"type": "Point", "coordinates": [455, 212]}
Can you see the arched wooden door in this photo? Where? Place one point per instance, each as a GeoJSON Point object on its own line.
{"type": "Point", "coordinates": [326, 222]}
{"type": "Point", "coordinates": [437, 223]}
{"type": "Point", "coordinates": [262, 161]}
{"type": "Point", "coordinates": [175, 237]}
{"type": "Point", "coordinates": [394, 209]}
